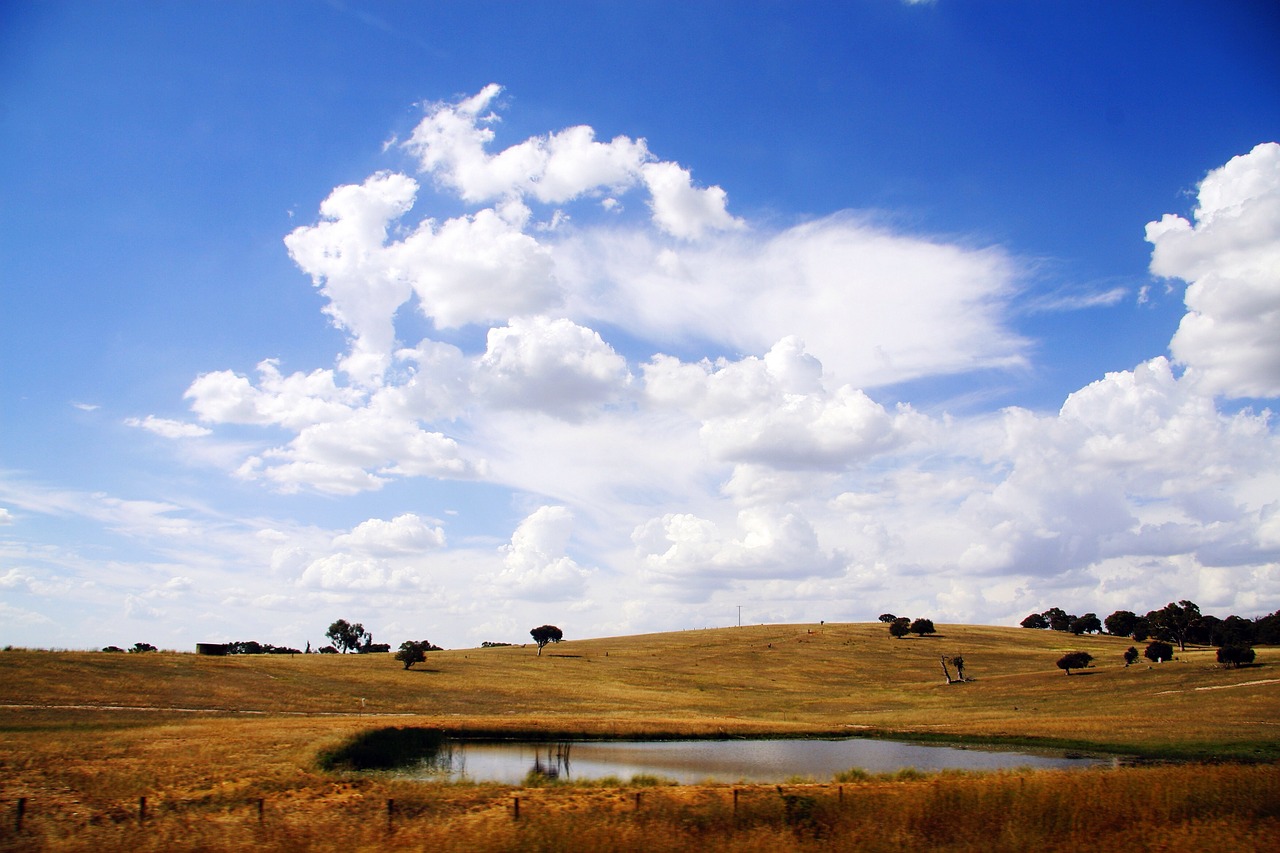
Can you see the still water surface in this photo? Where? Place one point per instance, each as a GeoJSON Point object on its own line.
{"type": "Point", "coordinates": [702, 760]}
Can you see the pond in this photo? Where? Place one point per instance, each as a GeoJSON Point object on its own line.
{"type": "Point", "coordinates": [703, 760]}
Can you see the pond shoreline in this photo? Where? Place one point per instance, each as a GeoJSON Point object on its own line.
{"type": "Point", "coordinates": [397, 747]}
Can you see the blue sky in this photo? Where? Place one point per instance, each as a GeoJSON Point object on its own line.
{"type": "Point", "coordinates": [459, 318]}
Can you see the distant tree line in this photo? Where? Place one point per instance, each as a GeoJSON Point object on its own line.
{"type": "Point", "coordinates": [137, 648]}
{"type": "Point", "coordinates": [1177, 622]}
{"type": "Point", "coordinates": [253, 647]}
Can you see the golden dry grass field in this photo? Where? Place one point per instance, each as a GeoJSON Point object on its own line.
{"type": "Point", "coordinates": [207, 741]}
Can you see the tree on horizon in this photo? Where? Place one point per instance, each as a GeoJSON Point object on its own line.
{"type": "Point", "coordinates": [544, 634]}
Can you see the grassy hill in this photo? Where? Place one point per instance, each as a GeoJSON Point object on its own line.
{"type": "Point", "coordinates": [772, 678]}
{"type": "Point", "coordinates": [165, 751]}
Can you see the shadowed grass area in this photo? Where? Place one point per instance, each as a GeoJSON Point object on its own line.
{"type": "Point", "coordinates": [382, 749]}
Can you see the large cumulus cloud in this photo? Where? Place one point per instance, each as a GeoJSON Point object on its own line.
{"type": "Point", "coordinates": [697, 403]}
{"type": "Point", "coordinates": [1230, 337]}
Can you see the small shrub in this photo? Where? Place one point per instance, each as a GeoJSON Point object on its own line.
{"type": "Point", "coordinates": [1074, 660]}
{"type": "Point", "coordinates": [853, 774]}
{"type": "Point", "coordinates": [1158, 651]}
{"type": "Point", "coordinates": [648, 780]}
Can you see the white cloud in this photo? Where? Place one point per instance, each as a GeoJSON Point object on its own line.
{"type": "Point", "coordinates": [775, 411]}
{"type": "Point", "coordinates": [404, 534]}
{"type": "Point", "coordinates": [680, 208]}
{"type": "Point", "coordinates": [343, 256]}
{"type": "Point", "coordinates": [880, 306]}
{"type": "Point", "coordinates": [293, 402]}
{"type": "Point", "coordinates": [6, 517]}
{"type": "Point", "coordinates": [14, 579]}
{"type": "Point", "coordinates": [137, 608]}
{"type": "Point", "coordinates": [1136, 465]}
{"type": "Point", "coordinates": [1071, 300]}
{"type": "Point", "coordinates": [774, 542]}
{"type": "Point", "coordinates": [873, 306]}
{"type": "Point", "coordinates": [1230, 336]}
{"type": "Point", "coordinates": [555, 366]}
{"type": "Point", "coordinates": [450, 144]}
{"type": "Point", "coordinates": [535, 565]}
{"type": "Point", "coordinates": [347, 572]}
{"type": "Point", "coordinates": [168, 428]}
{"type": "Point", "coordinates": [17, 617]}
{"type": "Point", "coordinates": [360, 453]}
{"type": "Point", "coordinates": [435, 384]}
{"type": "Point", "coordinates": [178, 584]}
{"type": "Point", "coordinates": [475, 269]}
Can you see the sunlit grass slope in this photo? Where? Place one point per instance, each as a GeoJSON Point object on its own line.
{"type": "Point", "coordinates": [755, 679]}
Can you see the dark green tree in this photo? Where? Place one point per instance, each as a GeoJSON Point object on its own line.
{"type": "Point", "coordinates": [544, 634]}
{"type": "Point", "coordinates": [1130, 656]}
{"type": "Point", "coordinates": [887, 618]}
{"type": "Point", "coordinates": [1035, 620]}
{"type": "Point", "coordinates": [346, 635]}
{"type": "Point", "coordinates": [1266, 629]}
{"type": "Point", "coordinates": [1086, 624]}
{"type": "Point", "coordinates": [1121, 623]}
{"type": "Point", "coordinates": [1158, 651]}
{"type": "Point", "coordinates": [1074, 660]}
{"type": "Point", "coordinates": [1175, 621]}
{"type": "Point", "coordinates": [142, 647]}
{"type": "Point", "coordinates": [920, 627]}
{"type": "Point", "coordinates": [411, 652]}
{"type": "Point", "coordinates": [1232, 631]}
{"type": "Point", "coordinates": [900, 627]}
{"type": "Point", "coordinates": [1058, 619]}
{"type": "Point", "coordinates": [1232, 656]}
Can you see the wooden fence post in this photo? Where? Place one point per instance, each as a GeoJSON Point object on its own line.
{"type": "Point", "coordinates": [735, 802]}
{"type": "Point", "coordinates": [142, 809]}
{"type": "Point", "coordinates": [391, 811]}
{"type": "Point", "coordinates": [261, 807]}
{"type": "Point", "coordinates": [515, 814]}
{"type": "Point", "coordinates": [22, 811]}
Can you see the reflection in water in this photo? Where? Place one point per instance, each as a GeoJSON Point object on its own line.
{"type": "Point", "coordinates": [448, 759]}
{"type": "Point", "coordinates": [556, 761]}
{"type": "Point", "coordinates": [698, 761]}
